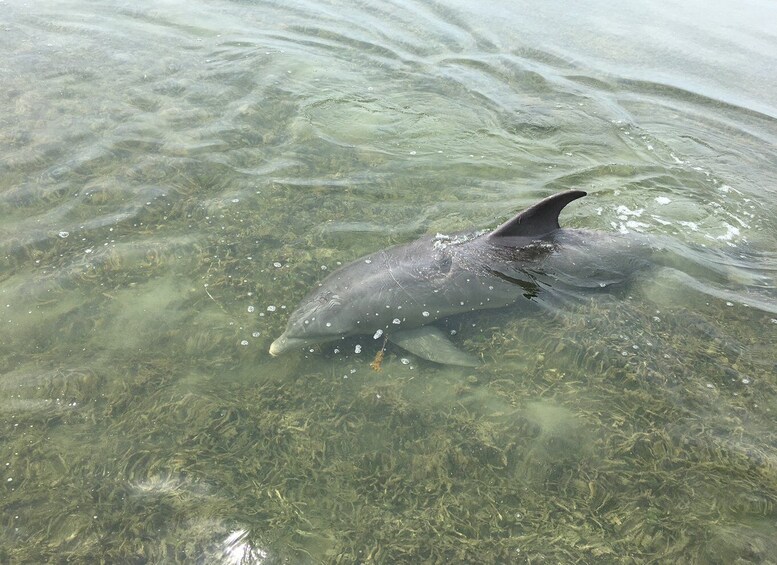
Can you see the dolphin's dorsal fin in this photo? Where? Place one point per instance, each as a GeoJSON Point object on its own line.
{"type": "Point", "coordinates": [537, 220]}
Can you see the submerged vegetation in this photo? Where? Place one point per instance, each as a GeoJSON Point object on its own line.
{"type": "Point", "coordinates": [609, 432]}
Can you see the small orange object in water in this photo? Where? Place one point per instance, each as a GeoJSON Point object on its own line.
{"type": "Point", "coordinates": [378, 361]}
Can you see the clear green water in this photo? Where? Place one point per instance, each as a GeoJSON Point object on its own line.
{"type": "Point", "coordinates": [160, 159]}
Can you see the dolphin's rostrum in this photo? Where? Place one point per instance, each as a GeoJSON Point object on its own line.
{"type": "Point", "coordinates": [401, 291]}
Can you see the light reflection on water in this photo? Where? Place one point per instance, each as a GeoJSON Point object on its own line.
{"type": "Point", "coordinates": [174, 179]}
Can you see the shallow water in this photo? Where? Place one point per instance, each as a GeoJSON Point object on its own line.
{"type": "Point", "coordinates": [175, 177]}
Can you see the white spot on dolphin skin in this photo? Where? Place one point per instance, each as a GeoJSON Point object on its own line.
{"type": "Point", "coordinates": [244, 342]}
{"type": "Point", "coordinates": [271, 308]}
{"type": "Point", "coordinates": [396, 321]}
{"type": "Point", "coordinates": [425, 314]}
{"type": "Point", "coordinates": [377, 334]}
{"type": "Point", "coordinates": [663, 200]}
{"type": "Point", "coordinates": [277, 265]}
{"type": "Point", "coordinates": [307, 321]}
{"type": "Point", "coordinates": [251, 308]}
{"type": "Point", "coordinates": [256, 334]}
{"type": "Point", "coordinates": [405, 361]}
{"type": "Point", "coordinates": [357, 349]}
{"type": "Point", "coordinates": [462, 303]}
{"type": "Point", "coordinates": [328, 324]}
{"type": "Point", "coordinates": [368, 261]}
{"type": "Point", "coordinates": [63, 234]}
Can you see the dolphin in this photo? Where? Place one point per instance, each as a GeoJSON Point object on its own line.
{"type": "Point", "coordinates": [403, 290]}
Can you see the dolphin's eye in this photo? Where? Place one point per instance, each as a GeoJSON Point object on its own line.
{"type": "Point", "coordinates": [329, 300]}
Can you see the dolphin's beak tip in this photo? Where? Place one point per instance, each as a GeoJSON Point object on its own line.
{"type": "Point", "coordinates": [277, 346]}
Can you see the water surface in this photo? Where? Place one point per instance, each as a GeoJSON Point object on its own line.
{"type": "Point", "coordinates": [174, 178]}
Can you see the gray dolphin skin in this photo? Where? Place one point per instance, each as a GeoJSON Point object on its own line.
{"type": "Point", "coordinates": [401, 291]}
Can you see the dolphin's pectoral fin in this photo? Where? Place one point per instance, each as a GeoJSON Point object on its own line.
{"type": "Point", "coordinates": [432, 344]}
